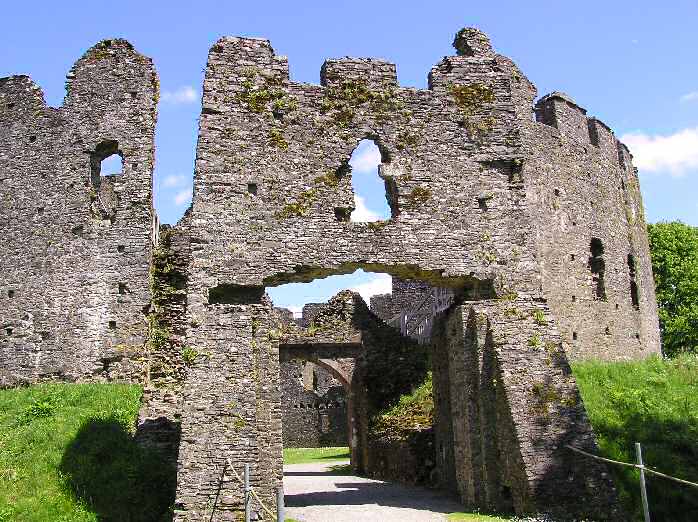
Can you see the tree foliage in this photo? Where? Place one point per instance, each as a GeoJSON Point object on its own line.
{"type": "Point", "coordinates": [674, 250]}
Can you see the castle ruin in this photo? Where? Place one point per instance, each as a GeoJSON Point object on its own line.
{"type": "Point", "coordinates": [526, 214]}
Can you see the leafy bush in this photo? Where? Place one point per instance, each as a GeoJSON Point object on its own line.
{"type": "Point", "coordinates": [674, 249]}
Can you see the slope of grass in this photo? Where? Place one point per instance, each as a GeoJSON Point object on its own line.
{"type": "Point", "coordinates": [654, 402]}
{"type": "Point", "coordinates": [67, 454]}
{"type": "Point", "coordinates": [474, 517]}
{"type": "Point", "coordinates": [413, 411]}
{"type": "Point", "coordinates": [308, 455]}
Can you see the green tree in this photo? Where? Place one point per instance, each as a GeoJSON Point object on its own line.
{"type": "Point", "coordinates": [674, 250]}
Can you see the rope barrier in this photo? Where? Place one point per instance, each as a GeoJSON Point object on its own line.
{"type": "Point", "coordinates": [638, 466]}
{"type": "Point", "coordinates": [254, 493]}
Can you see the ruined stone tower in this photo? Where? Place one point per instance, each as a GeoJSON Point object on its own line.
{"type": "Point", "coordinates": [530, 214]}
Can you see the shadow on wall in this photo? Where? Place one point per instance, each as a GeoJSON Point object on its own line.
{"type": "Point", "coordinates": [119, 479]}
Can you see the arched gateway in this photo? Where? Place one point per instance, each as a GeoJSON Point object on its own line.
{"type": "Point", "coordinates": [489, 198]}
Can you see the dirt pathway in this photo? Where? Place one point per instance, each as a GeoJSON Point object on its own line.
{"type": "Point", "coordinates": [315, 494]}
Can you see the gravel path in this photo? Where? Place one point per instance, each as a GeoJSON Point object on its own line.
{"type": "Point", "coordinates": [314, 494]}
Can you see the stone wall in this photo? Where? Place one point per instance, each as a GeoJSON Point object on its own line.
{"type": "Point", "coordinates": [76, 245]}
{"type": "Point", "coordinates": [313, 404]}
{"type": "Point", "coordinates": [536, 227]}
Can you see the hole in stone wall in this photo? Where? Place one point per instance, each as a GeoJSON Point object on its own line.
{"type": "Point", "coordinates": [370, 190]}
{"type": "Point", "coordinates": [120, 248]}
{"type": "Point", "coordinates": [8, 331]}
{"type": "Point", "coordinates": [252, 188]}
{"type": "Point", "coordinates": [111, 166]}
{"type": "Point", "coordinates": [637, 336]}
{"type": "Point", "coordinates": [112, 325]}
{"type": "Point", "coordinates": [574, 336]}
{"type": "Point", "coordinates": [32, 139]}
{"type": "Point", "coordinates": [597, 266]}
{"type": "Point", "coordinates": [632, 271]}
{"type": "Point", "coordinates": [106, 160]}
{"type": "Point", "coordinates": [574, 298]}
{"type": "Point", "coordinates": [10, 293]}
{"type": "Point", "coordinates": [123, 288]}
{"type": "Point", "coordinates": [571, 257]}
{"type": "Point", "coordinates": [607, 330]}
{"type": "Point", "coordinates": [40, 210]}
{"type": "Point", "coordinates": [235, 294]}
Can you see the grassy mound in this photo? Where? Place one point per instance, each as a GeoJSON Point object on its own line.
{"type": "Point", "coordinates": [67, 454]}
{"type": "Point", "coordinates": [308, 455]}
{"type": "Point", "coordinates": [413, 412]}
{"type": "Point", "coordinates": [655, 403]}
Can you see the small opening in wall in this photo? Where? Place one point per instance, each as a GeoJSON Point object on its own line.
{"type": "Point", "coordinates": [637, 336]}
{"type": "Point", "coordinates": [617, 306]}
{"type": "Point", "coordinates": [10, 293]}
{"type": "Point", "coordinates": [32, 139]}
{"type": "Point", "coordinates": [40, 210]}
{"type": "Point", "coordinates": [112, 325]}
{"type": "Point", "coordinates": [121, 248]}
{"type": "Point", "coordinates": [8, 331]}
{"type": "Point", "coordinates": [106, 160]}
{"type": "Point", "coordinates": [574, 298]}
{"type": "Point", "coordinates": [597, 266]}
{"type": "Point", "coordinates": [123, 288]}
{"type": "Point", "coordinates": [571, 257]}
{"type": "Point", "coordinates": [371, 201]}
{"type": "Point", "coordinates": [607, 330]}
{"type": "Point", "coordinates": [634, 293]}
{"type": "Point", "coordinates": [252, 188]}
{"type": "Point", "coordinates": [557, 192]}
{"type": "Point", "coordinates": [574, 336]}
{"type": "Point", "coordinates": [342, 214]}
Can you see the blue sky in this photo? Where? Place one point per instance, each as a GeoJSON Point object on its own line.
{"type": "Point", "coordinates": [632, 64]}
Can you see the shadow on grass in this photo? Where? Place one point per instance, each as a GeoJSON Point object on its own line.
{"type": "Point", "coordinates": [119, 478]}
{"type": "Point", "coordinates": [667, 446]}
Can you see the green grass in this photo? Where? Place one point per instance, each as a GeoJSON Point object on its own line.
{"type": "Point", "coordinates": [653, 402]}
{"type": "Point", "coordinates": [474, 517]}
{"type": "Point", "coordinates": [67, 454]}
{"type": "Point", "coordinates": [308, 455]}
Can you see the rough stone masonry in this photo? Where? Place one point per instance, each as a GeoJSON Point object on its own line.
{"type": "Point", "coordinates": [530, 213]}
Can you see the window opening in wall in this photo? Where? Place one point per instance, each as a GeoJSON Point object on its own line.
{"type": "Point", "coordinates": [9, 331]}
{"type": "Point", "coordinates": [111, 166]}
{"type": "Point", "coordinates": [597, 266]}
{"type": "Point", "coordinates": [40, 210]}
{"type": "Point", "coordinates": [10, 293]}
{"type": "Point", "coordinates": [123, 288]}
{"type": "Point", "coordinates": [252, 188]}
{"type": "Point", "coordinates": [106, 160]}
{"type": "Point", "coordinates": [574, 336]}
{"type": "Point", "coordinates": [574, 298]}
{"type": "Point", "coordinates": [120, 248]}
{"type": "Point", "coordinates": [371, 194]}
{"type": "Point", "coordinates": [112, 325]}
{"type": "Point", "coordinates": [632, 271]}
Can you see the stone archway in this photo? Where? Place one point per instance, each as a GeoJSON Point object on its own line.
{"type": "Point", "coordinates": [272, 154]}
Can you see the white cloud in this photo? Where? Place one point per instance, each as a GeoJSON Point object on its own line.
{"type": "Point", "coordinates": [186, 94]}
{"type": "Point", "coordinates": [691, 96]}
{"type": "Point", "coordinates": [366, 157]}
{"type": "Point", "coordinates": [362, 213]}
{"type": "Point", "coordinates": [297, 311]}
{"type": "Point", "coordinates": [182, 197]}
{"type": "Point", "coordinates": [675, 154]}
{"type": "Point", "coordinates": [380, 284]}
{"type": "Point", "coordinates": [174, 181]}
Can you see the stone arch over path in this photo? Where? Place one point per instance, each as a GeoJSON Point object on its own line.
{"type": "Point", "coordinates": [273, 153]}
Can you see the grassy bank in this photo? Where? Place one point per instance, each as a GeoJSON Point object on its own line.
{"type": "Point", "coordinates": [308, 455]}
{"type": "Point", "coordinates": [653, 402]}
{"type": "Point", "coordinates": [67, 454]}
